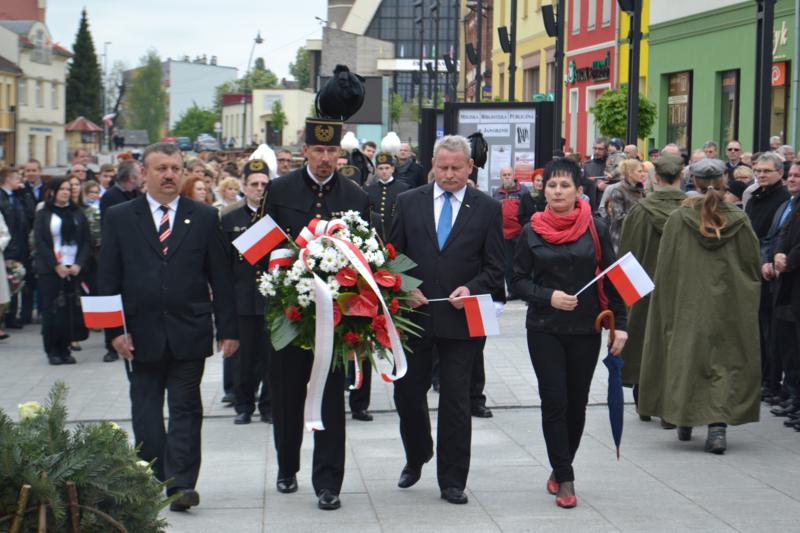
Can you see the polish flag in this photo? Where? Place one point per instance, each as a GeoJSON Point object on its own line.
{"type": "Point", "coordinates": [481, 315]}
{"type": "Point", "coordinates": [630, 279]}
{"type": "Point", "coordinates": [259, 240]}
{"type": "Point", "coordinates": [108, 120]}
{"type": "Point", "coordinates": [282, 257]}
{"type": "Point", "coordinates": [101, 312]}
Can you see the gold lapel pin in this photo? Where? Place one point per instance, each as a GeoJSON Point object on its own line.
{"type": "Point", "coordinates": [186, 221]}
{"type": "Point", "coordinates": [466, 205]}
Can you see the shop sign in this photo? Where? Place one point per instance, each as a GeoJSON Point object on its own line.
{"type": "Point", "coordinates": [599, 71]}
{"type": "Point", "coordinates": [781, 39]}
{"type": "Point", "coordinates": [778, 74]}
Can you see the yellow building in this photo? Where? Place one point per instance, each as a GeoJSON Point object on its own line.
{"type": "Point", "coordinates": [622, 64]}
{"type": "Point", "coordinates": [9, 73]}
{"type": "Point", "coordinates": [535, 54]}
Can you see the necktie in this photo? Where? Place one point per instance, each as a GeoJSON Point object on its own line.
{"type": "Point", "coordinates": [785, 214]}
{"type": "Point", "coordinates": [163, 229]}
{"type": "Point", "coordinates": [445, 220]}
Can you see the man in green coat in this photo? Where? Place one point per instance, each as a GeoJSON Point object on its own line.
{"type": "Point", "coordinates": [641, 234]}
{"type": "Point", "coordinates": [700, 362]}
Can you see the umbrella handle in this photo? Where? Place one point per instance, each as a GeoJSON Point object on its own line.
{"type": "Point", "coordinates": [598, 324]}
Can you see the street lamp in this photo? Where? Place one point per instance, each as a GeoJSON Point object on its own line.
{"type": "Point", "coordinates": [258, 40]}
{"type": "Point", "coordinates": [477, 7]}
{"type": "Point", "coordinates": [634, 10]}
{"type": "Point", "coordinates": [420, 21]}
{"type": "Point", "coordinates": [103, 87]}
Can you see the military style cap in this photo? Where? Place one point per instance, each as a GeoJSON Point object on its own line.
{"type": "Point", "coordinates": [255, 166]}
{"type": "Point", "coordinates": [707, 169]}
{"type": "Point", "coordinates": [668, 165]}
{"type": "Point", "coordinates": [323, 131]}
{"type": "Point", "coordinates": [384, 158]}
{"type": "Point", "coordinates": [344, 153]}
{"type": "Point", "coordinates": [350, 171]}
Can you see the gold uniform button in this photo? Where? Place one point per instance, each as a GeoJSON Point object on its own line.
{"type": "Point", "coordinates": [319, 216]}
{"type": "Point", "coordinates": [319, 204]}
{"type": "Point", "coordinates": [320, 195]}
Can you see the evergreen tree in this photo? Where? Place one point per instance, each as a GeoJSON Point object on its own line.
{"type": "Point", "coordinates": [145, 107]}
{"type": "Point", "coordinates": [84, 82]}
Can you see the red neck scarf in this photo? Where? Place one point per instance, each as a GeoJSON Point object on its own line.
{"type": "Point", "coordinates": [561, 229]}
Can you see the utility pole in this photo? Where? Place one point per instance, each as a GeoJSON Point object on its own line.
{"type": "Point", "coordinates": [103, 86]}
{"type": "Point", "coordinates": [553, 17]}
{"type": "Point", "coordinates": [634, 44]}
{"type": "Point", "coordinates": [435, 52]}
{"type": "Point", "coordinates": [258, 40]}
{"type": "Point", "coordinates": [454, 56]}
{"type": "Point", "coordinates": [479, 42]}
{"type": "Point", "coordinates": [765, 19]}
{"type": "Point", "coordinates": [512, 61]}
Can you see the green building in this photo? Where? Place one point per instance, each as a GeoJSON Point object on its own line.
{"type": "Point", "coordinates": [702, 72]}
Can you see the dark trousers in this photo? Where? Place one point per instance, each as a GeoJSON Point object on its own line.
{"type": "Point", "coordinates": [509, 245]}
{"type": "Point", "coordinates": [176, 449]}
{"type": "Point", "coordinates": [454, 434]}
{"type": "Point", "coordinates": [28, 294]}
{"type": "Point", "coordinates": [564, 365]}
{"type": "Point", "coordinates": [785, 346]}
{"type": "Point", "coordinates": [359, 398]}
{"type": "Point", "coordinates": [252, 365]}
{"type": "Point", "coordinates": [770, 364]}
{"type": "Point", "coordinates": [228, 375]}
{"type": "Point", "coordinates": [478, 379]}
{"type": "Point", "coordinates": [55, 336]}
{"type": "Point", "coordinates": [11, 312]}
{"type": "Point", "coordinates": [289, 372]}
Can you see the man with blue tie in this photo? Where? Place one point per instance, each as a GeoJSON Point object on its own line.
{"type": "Point", "coordinates": [455, 236]}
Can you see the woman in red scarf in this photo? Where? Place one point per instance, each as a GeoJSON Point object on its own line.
{"type": "Point", "coordinates": [560, 250]}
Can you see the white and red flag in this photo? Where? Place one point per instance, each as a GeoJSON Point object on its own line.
{"type": "Point", "coordinates": [282, 257]}
{"type": "Point", "coordinates": [481, 315]}
{"type": "Point", "coordinates": [259, 240]}
{"type": "Point", "coordinates": [100, 312]}
{"type": "Point", "coordinates": [630, 279]}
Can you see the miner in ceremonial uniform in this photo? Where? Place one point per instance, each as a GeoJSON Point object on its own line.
{"type": "Point", "coordinates": [315, 190]}
{"type": "Point", "coordinates": [383, 194]}
{"type": "Point", "coordinates": [252, 360]}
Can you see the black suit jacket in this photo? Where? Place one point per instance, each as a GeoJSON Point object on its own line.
{"type": "Point", "coordinates": [17, 217]}
{"type": "Point", "coordinates": [166, 298]}
{"type": "Point", "coordinates": [44, 249]}
{"type": "Point", "coordinates": [787, 290]}
{"type": "Point", "coordinates": [114, 196]}
{"type": "Point", "coordinates": [249, 301]}
{"type": "Point", "coordinates": [770, 240]}
{"type": "Point", "coordinates": [294, 199]}
{"type": "Point", "coordinates": [472, 255]}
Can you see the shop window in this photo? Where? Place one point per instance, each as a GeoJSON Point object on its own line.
{"type": "Point", "coordinates": [576, 16]}
{"type": "Point", "coordinates": [780, 100]}
{"type": "Point", "coordinates": [679, 109]}
{"type": "Point", "coordinates": [729, 106]}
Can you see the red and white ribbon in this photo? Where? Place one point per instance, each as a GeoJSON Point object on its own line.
{"type": "Point", "coordinates": [282, 257]}
{"type": "Point", "coordinates": [324, 328]}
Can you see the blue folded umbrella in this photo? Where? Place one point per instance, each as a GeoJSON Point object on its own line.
{"type": "Point", "coordinates": [616, 400]}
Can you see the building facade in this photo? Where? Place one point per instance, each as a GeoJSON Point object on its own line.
{"type": "Point", "coordinates": [702, 71]}
{"type": "Point", "coordinates": [467, 84]}
{"type": "Point", "coordinates": [189, 83]}
{"type": "Point", "coordinates": [258, 125]}
{"type": "Point", "coordinates": [9, 74]}
{"type": "Point", "coordinates": [40, 109]}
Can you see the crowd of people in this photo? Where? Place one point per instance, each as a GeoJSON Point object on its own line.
{"type": "Point", "coordinates": [718, 334]}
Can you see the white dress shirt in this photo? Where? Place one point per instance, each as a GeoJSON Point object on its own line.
{"type": "Point", "coordinates": [65, 253]}
{"type": "Point", "coordinates": [438, 202]}
{"type": "Point", "coordinates": [155, 210]}
{"type": "Point", "coordinates": [316, 180]}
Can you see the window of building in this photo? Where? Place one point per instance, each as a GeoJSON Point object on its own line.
{"type": "Point", "coordinates": [501, 90]}
{"type": "Point", "coordinates": [606, 15]}
{"type": "Point", "coordinates": [22, 89]}
{"type": "Point", "coordinates": [679, 108]}
{"type": "Point", "coordinates": [551, 77]}
{"type": "Point", "coordinates": [54, 95]}
{"type": "Point", "coordinates": [576, 16]}
{"type": "Point", "coordinates": [780, 99]}
{"type": "Point", "coordinates": [729, 106]}
{"type": "Point", "coordinates": [38, 89]}
{"type": "Point", "coordinates": [591, 15]}
{"type": "Point", "coordinates": [530, 83]}
{"type": "Point", "coordinates": [525, 8]}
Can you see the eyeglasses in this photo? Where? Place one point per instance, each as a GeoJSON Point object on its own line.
{"type": "Point", "coordinates": [764, 170]}
{"type": "Point", "coordinates": [284, 160]}
{"type": "Point", "coordinates": [734, 149]}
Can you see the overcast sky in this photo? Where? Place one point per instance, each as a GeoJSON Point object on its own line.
{"type": "Point", "coordinates": [224, 28]}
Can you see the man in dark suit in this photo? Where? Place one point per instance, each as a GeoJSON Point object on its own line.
{"type": "Point", "coordinates": [251, 362]}
{"type": "Point", "coordinates": [18, 214]}
{"type": "Point", "coordinates": [455, 236]}
{"type": "Point", "coordinates": [407, 170]}
{"type": "Point", "coordinates": [315, 190]}
{"type": "Point", "coordinates": [162, 252]}
{"type": "Point", "coordinates": [126, 186]}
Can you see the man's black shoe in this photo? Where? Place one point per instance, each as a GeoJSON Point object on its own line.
{"type": "Point", "coordinates": [286, 484]}
{"type": "Point", "coordinates": [481, 411]}
{"type": "Point", "coordinates": [229, 398]}
{"type": "Point", "coordinates": [454, 495]}
{"type": "Point", "coordinates": [68, 360]}
{"type": "Point", "coordinates": [242, 418]}
{"type": "Point", "coordinates": [188, 498]}
{"type": "Point", "coordinates": [266, 418]}
{"type": "Point", "coordinates": [783, 411]}
{"type": "Point", "coordinates": [409, 476]}
{"type": "Point", "coordinates": [363, 415]}
{"type": "Point", "coordinates": [55, 360]}
{"type": "Point", "coordinates": [110, 356]}
{"type": "Point", "coordinates": [328, 501]}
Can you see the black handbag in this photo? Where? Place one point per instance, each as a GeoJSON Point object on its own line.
{"type": "Point", "coordinates": [68, 315]}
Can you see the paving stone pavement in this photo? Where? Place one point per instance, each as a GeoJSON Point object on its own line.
{"type": "Point", "coordinates": [660, 484]}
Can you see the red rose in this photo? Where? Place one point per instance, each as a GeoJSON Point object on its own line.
{"type": "Point", "coordinates": [384, 278]}
{"type": "Point", "coordinates": [379, 326]}
{"type": "Point", "coordinates": [337, 314]}
{"type": "Point", "coordinates": [293, 313]}
{"type": "Point", "coordinates": [351, 338]}
{"type": "Point", "coordinates": [347, 277]}
{"type": "Point", "coordinates": [391, 251]}
{"type": "Point", "coordinates": [398, 283]}
{"type": "Point", "coordinates": [394, 306]}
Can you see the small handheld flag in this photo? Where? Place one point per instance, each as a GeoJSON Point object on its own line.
{"type": "Point", "coordinates": [629, 278]}
{"type": "Point", "coordinates": [481, 315]}
{"type": "Point", "coordinates": [282, 257]}
{"type": "Point", "coordinates": [259, 240]}
{"type": "Point", "coordinates": [100, 312]}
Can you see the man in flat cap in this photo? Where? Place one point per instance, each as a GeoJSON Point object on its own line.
{"type": "Point", "coordinates": [315, 190]}
{"type": "Point", "coordinates": [641, 234]}
{"type": "Point", "coordinates": [250, 364]}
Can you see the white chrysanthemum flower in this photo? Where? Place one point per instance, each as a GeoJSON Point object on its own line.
{"type": "Point", "coordinates": [303, 300]}
{"type": "Point", "coordinates": [315, 248]}
{"type": "Point", "coordinates": [341, 262]}
{"type": "Point", "coordinates": [328, 264]}
{"type": "Point", "coordinates": [372, 244]}
{"type": "Point", "coordinates": [358, 241]}
{"type": "Point", "coordinates": [379, 259]}
{"type": "Point", "coordinates": [304, 286]}
{"type": "Point", "coordinates": [287, 282]}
